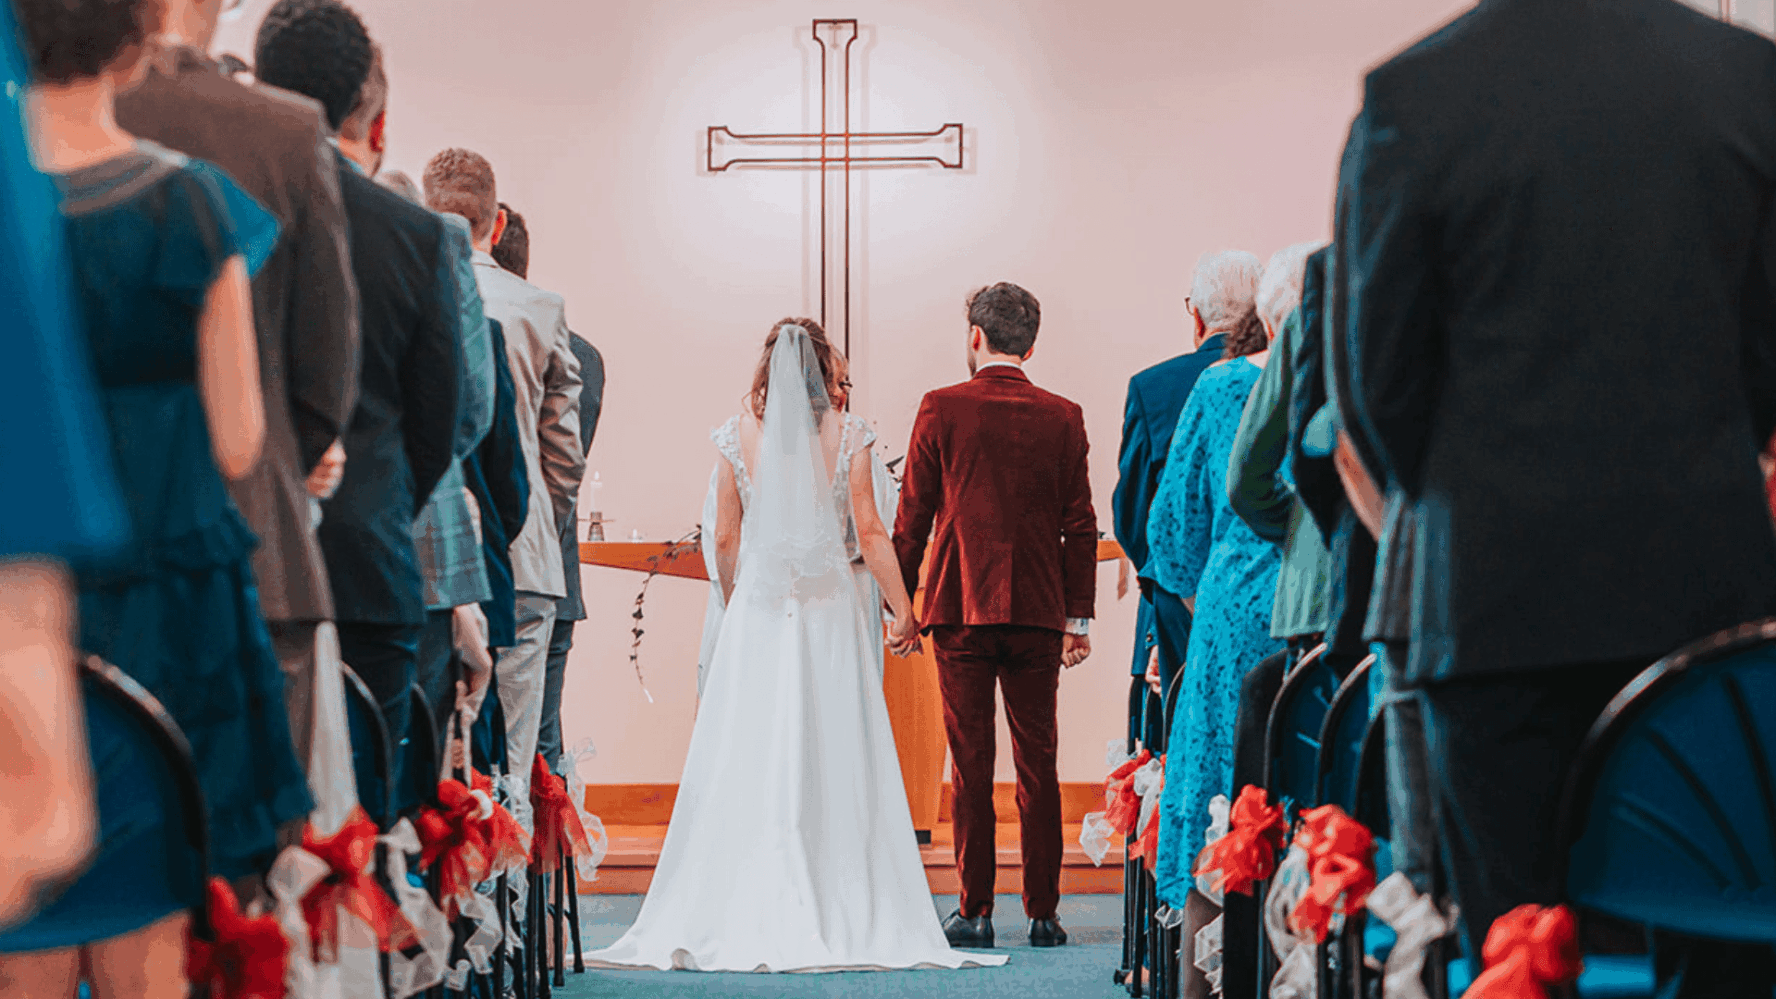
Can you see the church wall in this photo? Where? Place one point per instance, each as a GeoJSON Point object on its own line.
{"type": "Point", "coordinates": [1109, 145]}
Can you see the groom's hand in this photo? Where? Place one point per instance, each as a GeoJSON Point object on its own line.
{"type": "Point", "coordinates": [1075, 649]}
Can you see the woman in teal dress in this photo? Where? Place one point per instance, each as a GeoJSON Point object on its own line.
{"type": "Point", "coordinates": [161, 249]}
{"type": "Point", "coordinates": [1201, 549]}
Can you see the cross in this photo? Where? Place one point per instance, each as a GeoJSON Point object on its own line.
{"type": "Point", "coordinates": [834, 142]}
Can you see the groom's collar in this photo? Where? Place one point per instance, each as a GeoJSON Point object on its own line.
{"type": "Point", "coordinates": [1002, 370]}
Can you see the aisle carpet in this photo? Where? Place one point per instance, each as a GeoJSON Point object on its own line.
{"type": "Point", "coordinates": [1080, 970]}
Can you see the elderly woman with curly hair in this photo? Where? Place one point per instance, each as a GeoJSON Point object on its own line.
{"type": "Point", "coordinates": [161, 251]}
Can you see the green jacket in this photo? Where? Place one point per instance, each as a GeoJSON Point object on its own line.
{"type": "Point", "coordinates": [1263, 496]}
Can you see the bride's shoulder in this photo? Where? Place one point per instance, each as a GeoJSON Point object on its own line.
{"type": "Point", "coordinates": [862, 434]}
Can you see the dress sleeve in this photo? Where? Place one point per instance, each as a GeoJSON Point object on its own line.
{"type": "Point", "coordinates": [1179, 526]}
{"type": "Point", "coordinates": [863, 436]}
{"type": "Point", "coordinates": [210, 219]}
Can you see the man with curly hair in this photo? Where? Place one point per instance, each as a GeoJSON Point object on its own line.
{"type": "Point", "coordinates": [305, 310]}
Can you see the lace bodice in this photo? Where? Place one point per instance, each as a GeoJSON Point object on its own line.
{"type": "Point", "coordinates": [854, 436]}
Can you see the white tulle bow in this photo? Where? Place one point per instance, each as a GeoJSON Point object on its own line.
{"type": "Point", "coordinates": [1417, 923]}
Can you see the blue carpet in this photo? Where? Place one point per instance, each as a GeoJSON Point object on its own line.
{"type": "Point", "coordinates": [1080, 970]}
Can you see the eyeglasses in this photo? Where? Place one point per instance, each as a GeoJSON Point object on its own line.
{"type": "Point", "coordinates": [845, 385]}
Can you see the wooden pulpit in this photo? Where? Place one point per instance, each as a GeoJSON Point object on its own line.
{"type": "Point", "coordinates": [909, 685]}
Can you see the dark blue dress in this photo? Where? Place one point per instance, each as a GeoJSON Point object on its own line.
{"type": "Point", "coordinates": [179, 610]}
{"type": "Point", "coordinates": [1201, 548]}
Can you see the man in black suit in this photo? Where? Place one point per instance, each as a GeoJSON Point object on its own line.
{"type": "Point", "coordinates": [400, 439]}
{"type": "Point", "coordinates": [513, 253]}
{"type": "Point", "coordinates": [1560, 259]}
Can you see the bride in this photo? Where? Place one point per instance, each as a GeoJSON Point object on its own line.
{"type": "Point", "coordinates": [791, 847]}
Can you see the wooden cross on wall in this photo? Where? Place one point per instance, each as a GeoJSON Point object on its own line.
{"type": "Point", "coordinates": [941, 147]}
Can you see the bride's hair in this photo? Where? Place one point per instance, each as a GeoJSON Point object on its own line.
{"type": "Point", "coordinates": [830, 359]}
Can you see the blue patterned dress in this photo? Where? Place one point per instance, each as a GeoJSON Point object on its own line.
{"type": "Point", "coordinates": [1200, 547]}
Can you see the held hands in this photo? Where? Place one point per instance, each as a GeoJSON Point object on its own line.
{"type": "Point", "coordinates": [903, 633]}
{"type": "Point", "coordinates": [1075, 649]}
{"type": "Point", "coordinates": [323, 482]}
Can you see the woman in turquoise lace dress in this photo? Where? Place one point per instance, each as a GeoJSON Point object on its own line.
{"type": "Point", "coordinates": [160, 249]}
{"type": "Point", "coordinates": [1201, 550]}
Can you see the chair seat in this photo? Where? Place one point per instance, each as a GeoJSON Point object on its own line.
{"type": "Point", "coordinates": [1606, 976]}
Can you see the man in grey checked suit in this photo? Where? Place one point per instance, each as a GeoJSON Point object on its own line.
{"type": "Point", "coordinates": [546, 376]}
{"type": "Point", "coordinates": [305, 308]}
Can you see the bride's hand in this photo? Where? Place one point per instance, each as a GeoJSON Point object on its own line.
{"type": "Point", "coordinates": [903, 635]}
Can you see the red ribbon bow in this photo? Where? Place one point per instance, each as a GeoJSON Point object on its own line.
{"type": "Point", "coordinates": [1247, 854]}
{"type": "Point", "coordinates": [508, 845]}
{"type": "Point", "coordinates": [1147, 843]}
{"type": "Point", "coordinates": [348, 887]}
{"type": "Point", "coordinates": [248, 957]}
{"type": "Point", "coordinates": [1122, 805]}
{"type": "Point", "coordinates": [1341, 861]}
{"type": "Point", "coordinates": [558, 825]}
{"type": "Point", "coordinates": [1528, 951]}
{"type": "Point", "coordinates": [454, 836]}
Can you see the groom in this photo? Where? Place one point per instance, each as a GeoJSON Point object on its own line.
{"type": "Point", "coordinates": [999, 466]}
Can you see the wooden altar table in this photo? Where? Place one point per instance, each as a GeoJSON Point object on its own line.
{"type": "Point", "coordinates": [915, 705]}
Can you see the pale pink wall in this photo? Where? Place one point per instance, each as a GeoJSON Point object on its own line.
{"type": "Point", "coordinates": [1111, 144]}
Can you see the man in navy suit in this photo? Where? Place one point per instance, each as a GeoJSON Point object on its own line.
{"type": "Point", "coordinates": [1221, 298]}
{"type": "Point", "coordinates": [1560, 231]}
{"type": "Point", "coordinates": [401, 438]}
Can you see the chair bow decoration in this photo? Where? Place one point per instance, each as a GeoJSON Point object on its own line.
{"type": "Point", "coordinates": [454, 837]}
{"type": "Point", "coordinates": [585, 861]}
{"type": "Point", "coordinates": [558, 828]}
{"type": "Point", "coordinates": [420, 967]}
{"type": "Point", "coordinates": [1148, 782]}
{"type": "Point", "coordinates": [1122, 803]}
{"type": "Point", "coordinates": [507, 843]}
{"type": "Point", "coordinates": [348, 886]}
{"type": "Point", "coordinates": [248, 957]}
{"type": "Point", "coordinates": [1248, 853]}
{"type": "Point", "coordinates": [1096, 829]}
{"type": "Point", "coordinates": [1417, 923]}
{"type": "Point", "coordinates": [1341, 861]}
{"type": "Point", "coordinates": [1529, 952]}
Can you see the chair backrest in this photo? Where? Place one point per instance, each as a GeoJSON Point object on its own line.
{"type": "Point", "coordinates": [1167, 710]}
{"type": "Point", "coordinates": [1292, 736]}
{"type": "Point", "coordinates": [372, 756]}
{"type": "Point", "coordinates": [153, 857]}
{"type": "Point", "coordinates": [1670, 811]}
{"type": "Point", "coordinates": [1341, 739]}
{"type": "Point", "coordinates": [423, 751]}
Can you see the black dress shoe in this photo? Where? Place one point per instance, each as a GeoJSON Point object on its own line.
{"type": "Point", "coordinates": [962, 932]}
{"type": "Point", "coordinates": [1047, 933]}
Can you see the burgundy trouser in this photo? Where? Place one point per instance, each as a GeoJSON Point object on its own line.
{"type": "Point", "coordinates": [1026, 663]}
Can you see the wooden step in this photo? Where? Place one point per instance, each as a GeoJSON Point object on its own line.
{"type": "Point", "coordinates": [628, 866]}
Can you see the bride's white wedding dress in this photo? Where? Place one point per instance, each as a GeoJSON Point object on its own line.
{"type": "Point", "coordinates": [791, 847]}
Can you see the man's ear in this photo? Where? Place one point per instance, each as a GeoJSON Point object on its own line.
{"type": "Point", "coordinates": [499, 226]}
{"type": "Point", "coordinates": [377, 139]}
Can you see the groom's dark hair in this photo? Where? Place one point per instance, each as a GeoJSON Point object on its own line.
{"type": "Point", "coordinates": [1008, 315]}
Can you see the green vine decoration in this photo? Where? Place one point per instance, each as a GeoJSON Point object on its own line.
{"type": "Point", "coordinates": [692, 542]}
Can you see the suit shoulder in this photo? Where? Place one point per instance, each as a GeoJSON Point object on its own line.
{"type": "Point", "coordinates": [500, 287]}
{"type": "Point", "coordinates": [276, 118]}
{"type": "Point", "coordinates": [375, 201]}
{"type": "Point", "coordinates": [1165, 371]}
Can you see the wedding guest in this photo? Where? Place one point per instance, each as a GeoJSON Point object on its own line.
{"type": "Point", "coordinates": [1544, 578]}
{"type": "Point", "coordinates": [513, 253]}
{"type": "Point", "coordinates": [1155, 398]}
{"type": "Point", "coordinates": [403, 437]}
{"type": "Point", "coordinates": [162, 247]}
{"type": "Point", "coordinates": [546, 377]}
{"type": "Point", "coordinates": [1208, 556]}
{"type": "Point", "coordinates": [71, 512]}
{"type": "Point", "coordinates": [305, 312]}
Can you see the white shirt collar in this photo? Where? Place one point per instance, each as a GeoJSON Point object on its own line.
{"type": "Point", "coordinates": [998, 364]}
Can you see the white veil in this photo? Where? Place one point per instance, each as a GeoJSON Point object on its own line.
{"type": "Point", "coordinates": [792, 548]}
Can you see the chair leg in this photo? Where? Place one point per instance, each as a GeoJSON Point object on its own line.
{"type": "Point", "coordinates": [499, 952]}
{"type": "Point", "coordinates": [557, 921]}
{"type": "Point", "coordinates": [1143, 907]}
{"type": "Point", "coordinates": [544, 954]}
{"type": "Point", "coordinates": [1131, 889]}
{"type": "Point", "coordinates": [573, 913]}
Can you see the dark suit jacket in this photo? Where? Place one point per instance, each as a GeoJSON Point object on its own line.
{"type": "Point", "coordinates": [495, 473]}
{"type": "Point", "coordinates": [998, 467]}
{"type": "Point", "coordinates": [1155, 398]}
{"type": "Point", "coordinates": [570, 607]}
{"type": "Point", "coordinates": [401, 436]}
{"type": "Point", "coordinates": [305, 303]}
{"type": "Point", "coordinates": [1562, 327]}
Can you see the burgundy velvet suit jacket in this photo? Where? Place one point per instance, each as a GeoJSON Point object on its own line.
{"type": "Point", "coordinates": [996, 480]}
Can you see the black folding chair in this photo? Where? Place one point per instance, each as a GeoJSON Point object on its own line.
{"type": "Point", "coordinates": [1337, 771]}
{"type": "Point", "coordinates": [153, 861]}
{"type": "Point", "coordinates": [373, 765]}
{"type": "Point", "coordinates": [1131, 877]}
{"type": "Point", "coordinates": [1168, 972]}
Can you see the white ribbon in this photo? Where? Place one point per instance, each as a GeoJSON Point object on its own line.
{"type": "Point", "coordinates": [1296, 978]}
{"type": "Point", "coordinates": [1147, 782]}
{"type": "Point", "coordinates": [1219, 811]}
{"type": "Point", "coordinates": [1417, 924]}
{"type": "Point", "coordinates": [1094, 836]}
{"type": "Point", "coordinates": [295, 872]}
{"type": "Point", "coordinates": [585, 864]}
{"type": "Point", "coordinates": [1209, 952]}
{"type": "Point", "coordinates": [408, 975]}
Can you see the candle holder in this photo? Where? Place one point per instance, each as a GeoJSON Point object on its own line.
{"type": "Point", "coordinates": [595, 526]}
